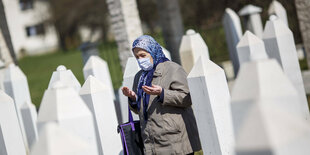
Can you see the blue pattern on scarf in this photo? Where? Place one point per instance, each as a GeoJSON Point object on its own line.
{"type": "Point", "coordinates": [151, 46]}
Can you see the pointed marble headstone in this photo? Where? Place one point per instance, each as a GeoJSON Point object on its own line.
{"type": "Point", "coordinates": [233, 34]}
{"type": "Point", "coordinates": [98, 68]}
{"type": "Point", "coordinates": [29, 115]}
{"type": "Point", "coordinates": [211, 105]}
{"type": "Point", "coordinates": [167, 53]}
{"type": "Point", "coordinates": [11, 139]}
{"type": "Point", "coordinates": [276, 8]}
{"type": "Point", "coordinates": [16, 85]}
{"type": "Point", "coordinates": [250, 48]}
{"type": "Point", "coordinates": [66, 76]}
{"type": "Point", "coordinates": [252, 19]}
{"type": "Point", "coordinates": [99, 100]}
{"type": "Point", "coordinates": [131, 69]}
{"type": "Point", "coordinates": [192, 46]}
{"type": "Point", "coordinates": [63, 105]}
{"type": "Point", "coordinates": [280, 45]}
{"type": "Point", "coordinates": [264, 80]}
{"type": "Point", "coordinates": [55, 140]}
{"type": "Point", "coordinates": [266, 113]}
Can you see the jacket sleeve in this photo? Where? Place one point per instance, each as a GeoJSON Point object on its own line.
{"type": "Point", "coordinates": [178, 93]}
{"type": "Point", "coordinates": [133, 104]}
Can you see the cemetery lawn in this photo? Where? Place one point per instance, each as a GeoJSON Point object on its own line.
{"type": "Point", "coordinates": [39, 69]}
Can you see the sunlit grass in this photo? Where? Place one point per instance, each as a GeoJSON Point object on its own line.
{"type": "Point", "coordinates": [39, 69]}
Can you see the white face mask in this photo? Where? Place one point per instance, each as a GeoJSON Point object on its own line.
{"type": "Point", "coordinates": [145, 64]}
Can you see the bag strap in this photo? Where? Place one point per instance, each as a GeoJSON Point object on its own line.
{"type": "Point", "coordinates": [130, 118]}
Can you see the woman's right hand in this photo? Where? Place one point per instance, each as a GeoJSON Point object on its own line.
{"type": "Point", "coordinates": [129, 93]}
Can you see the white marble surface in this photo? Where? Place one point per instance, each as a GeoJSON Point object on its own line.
{"type": "Point", "coordinates": [65, 75]}
{"type": "Point", "coordinates": [98, 68]}
{"type": "Point", "coordinates": [233, 33]}
{"type": "Point", "coordinates": [253, 21]}
{"type": "Point", "coordinates": [167, 53]}
{"type": "Point", "coordinates": [250, 48]}
{"type": "Point", "coordinates": [192, 46]}
{"type": "Point", "coordinates": [63, 105]}
{"type": "Point", "coordinates": [99, 100]}
{"type": "Point", "coordinates": [16, 85]}
{"type": "Point", "coordinates": [55, 140]}
{"type": "Point", "coordinates": [11, 139]}
{"type": "Point", "coordinates": [276, 8]}
{"type": "Point", "coordinates": [29, 115]}
{"type": "Point", "coordinates": [211, 104]}
{"type": "Point", "coordinates": [131, 69]}
{"type": "Point", "coordinates": [265, 112]}
{"type": "Point", "coordinates": [280, 45]}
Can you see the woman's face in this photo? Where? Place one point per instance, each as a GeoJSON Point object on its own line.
{"type": "Point", "coordinates": [141, 53]}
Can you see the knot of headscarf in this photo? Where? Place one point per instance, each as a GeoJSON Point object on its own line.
{"type": "Point", "coordinates": [151, 46]}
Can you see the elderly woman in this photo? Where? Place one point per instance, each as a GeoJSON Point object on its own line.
{"type": "Point", "coordinates": [160, 96]}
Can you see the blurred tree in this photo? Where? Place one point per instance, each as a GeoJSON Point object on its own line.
{"type": "Point", "coordinates": [172, 26]}
{"type": "Point", "coordinates": [303, 10]}
{"type": "Point", "coordinates": [207, 14]}
{"type": "Point", "coordinates": [69, 15]}
{"type": "Point", "coordinates": [148, 14]}
{"type": "Point", "coordinates": [6, 33]}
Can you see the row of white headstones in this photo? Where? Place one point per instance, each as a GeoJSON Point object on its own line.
{"type": "Point", "coordinates": [72, 120]}
{"type": "Point", "coordinates": [267, 112]}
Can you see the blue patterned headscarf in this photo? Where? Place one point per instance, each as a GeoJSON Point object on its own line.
{"type": "Point", "coordinates": [151, 46]}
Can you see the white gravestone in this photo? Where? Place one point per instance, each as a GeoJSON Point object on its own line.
{"type": "Point", "coordinates": [233, 33]}
{"type": "Point", "coordinates": [131, 69]}
{"type": "Point", "coordinates": [265, 112]}
{"type": "Point", "coordinates": [66, 76]}
{"type": "Point", "coordinates": [99, 100]}
{"type": "Point", "coordinates": [263, 80]}
{"type": "Point", "coordinates": [98, 68]}
{"type": "Point", "coordinates": [63, 105]}
{"type": "Point", "coordinates": [280, 45]}
{"type": "Point", "coordinates": [276, 8]}
{"type": "Point", "coordinates": [54, 140]}
{"type": "Point", "coordinates": [29, 115]}
{"type": "Point", "coordinates": [167, 53]}
{"type": "Point", "coordinates": [250, 48]}
{"type": "Point", "coordinates": [192, 46]}
{"type": "Point", "coordinates": [228, 69]}
{"type": "Point", "coordinates": [252, 19]}
{"type": "Point", "coordinates": [16, 85]}
{"type": "Point", "coordinates": [11, 139]}
{"type": "Point", "coordinates": [211, 104]}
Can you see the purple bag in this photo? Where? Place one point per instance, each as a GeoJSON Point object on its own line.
{"type": "Point", "coordinates": [131, 136]}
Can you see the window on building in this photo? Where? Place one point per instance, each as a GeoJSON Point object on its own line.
{"type": "Point", "coordinates": [35, 30]}
{"type": "Point", "coordinates": [26, 4]}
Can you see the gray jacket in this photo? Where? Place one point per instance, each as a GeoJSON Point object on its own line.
{"type": "Point", "coordinates": [171, 126]}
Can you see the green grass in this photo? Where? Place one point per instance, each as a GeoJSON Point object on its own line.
{"type": "Point", "coordinates": [39, 69]}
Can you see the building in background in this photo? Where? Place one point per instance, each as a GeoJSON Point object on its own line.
{"type": "Point", "coordinates": [29, 34]}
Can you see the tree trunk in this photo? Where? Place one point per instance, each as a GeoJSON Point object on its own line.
{"type": "Point", "coordinates": [172, 26]}
{"type": "Point", "coordinates": [6, 33]}
{"type": "Point", "coordinates": [126, 26]}
{"type": "Point", "coordinates": [303, 12]}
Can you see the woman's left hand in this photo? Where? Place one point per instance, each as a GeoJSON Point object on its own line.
{"type": "Point", "coordinates": [154, 90]}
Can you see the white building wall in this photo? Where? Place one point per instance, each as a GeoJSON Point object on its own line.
{"type": "Point", "coordinates": [19, 19]}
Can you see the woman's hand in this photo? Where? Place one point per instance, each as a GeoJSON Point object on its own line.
{"type": "Point", "coordinates": [129, 93]}
{"type": "Point", "coordinates": [154, 90]}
